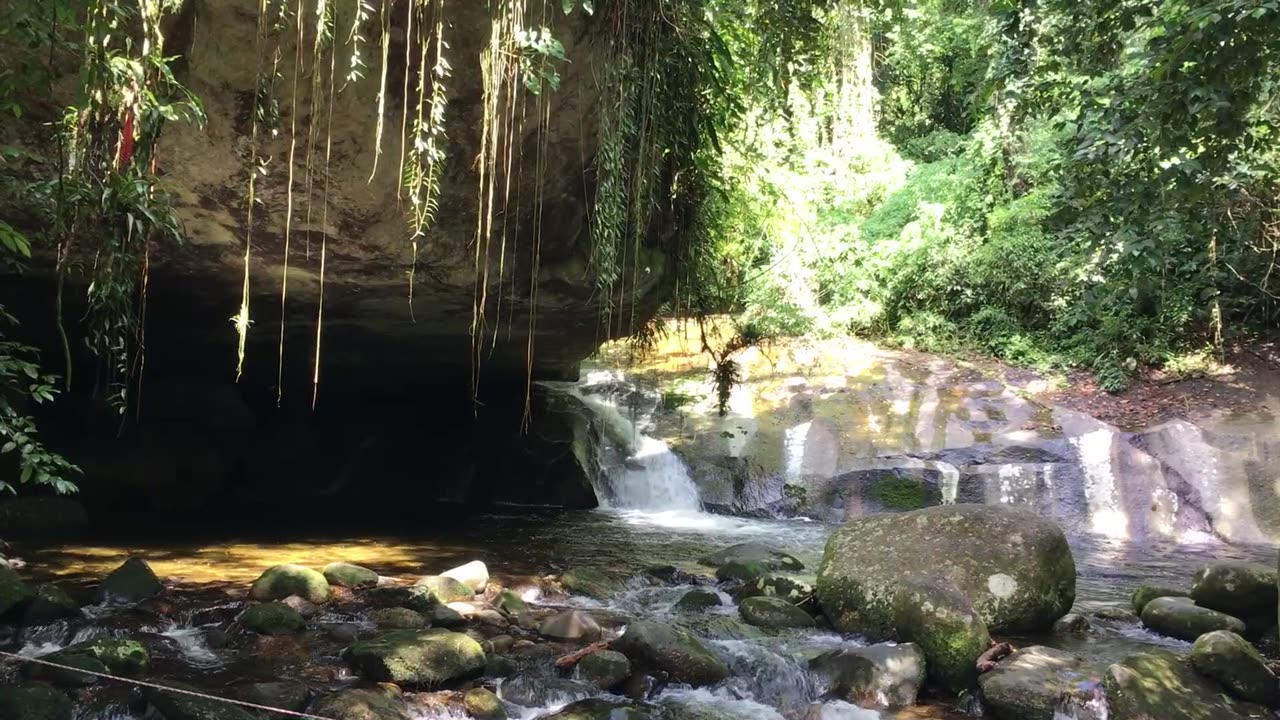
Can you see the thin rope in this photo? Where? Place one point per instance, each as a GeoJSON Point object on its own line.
{"type": "Point", "coordinates": [166, 688]}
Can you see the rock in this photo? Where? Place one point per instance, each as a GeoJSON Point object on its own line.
{"type": "Point", "coordinates": [511, 603]}
{"type": "Point", "coordinates": [789, 589]}
{"type": "Point", "coordinates": [585, 581]}
{"type": "Point", "coordinates": [302, 606]}
{"type": "Point", "coordinates": [598, 709]}
{"type": "Point", "coordinates": [670, 575]}
{"type": "Point", "coordinates": [474, 575]}
{"type": "Point", "coordinates": [66, 678]}
{"type": "Point", "coordinates": [1030, 683]}
{"type": "Point", "coordinates": [948, 630]}
{"type": "Point", "coordinates": [418, 598]}
{"type": "Point", "coordinates": [417, 657]}
{"type": "Point", "coordinates": [13, 592]}
{"type": "Point", "coordinates": [482, 704]}
{"type": "Point", "coordinates": [130, 583]}
{"type": "Point", "coordinates": [273, 618]}
{"type": "Point", "coordinates": [499, 667]}
{"type": "Point", "coordinates": [534, 689]}
{"type": "Point", "coordinates": [281, 581]}
{"type": "Point", "coordinates": [499, 644]}
{"type": "Point", "coordinates": [34, 702]}
{"type": "Point", "coordinates": [753, 552]}
{"type": "Point", "coordinates": [1146, 593]}
{"type": "Point", "coordinates": [878, 676]}
{"type": "Point", "coordinates": [445, 590]}
{"type": "Point", "coordinates": [604, 669]}
{"type": "Point", "coordinates": [285, 694]}
{"type": "Point", "coordinates": [344, 632]}
{"type": "Point", "coordinates": [1012, 566]}
{"type": "Point", "coordinates": [655, 646]}
{"type": "Point", "coordinates": [774, 613]}
{"type": "Point", "coordinates": [398, 619]}
{"type": "Point", "coordinates": [1239, 589]}
{"type": "Point", "coordinates": [349, 576]}
{"type": "Point", "coordinates": [276, 654]}
{"type": "Point", "coordinates": [447, 617]}
{"type": "Point", "coordinates": [698, 599]}
{"type": "Point", "coordinates": [120, 657]}
{"type": "Point", "coordinates": [1181, 618]}
{"type": "Point", "coordinates": [180, 706]}
{"type": "Point", "coordinates": [741, 572]}
{"type": "Point", "coordinates": [490, 617]}
{"type": "Point", "coordinates": [48, 603]}
{"type": "Point", "coordinates": [1163, 686]}
{"type": "Point", "coordinates": [574, 625]}
{"type": "Point", "coordinates": [1237, 665]}
{"type": "Point", "coordinates": [1117, 614]}
{"type": "Point", "coordinates": [360, 705]}
{"type": "Point", "coordinates": [1072, 624]}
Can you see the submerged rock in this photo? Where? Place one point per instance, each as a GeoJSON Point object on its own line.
{"type": "Point", "coordinates": [698, 599]}
{"type": "Point", "coordinates": [180, 706]}
{"type": "Point", "coordinates": [877, 676]}
{"type": "Point", "coordinates": [655, 646]}
{"type": "Point", "coordinates": [1072, 624]}
{"type": "Point", "coordinates": [273, 618]}
{"type": "Point", "coordinates": [1181, 618]}
{"type": "Point", "coordinates": [349, 576]}
{"type": "Point", "coordinates": [574, 625]}
{"type": "Point", "coordinates": [281, 581]}
{"type": "Point", "coordinates": [598, 709]}
{"type": "Point", "coordinates": [398, 619]}
{"type": "Point", "coordinates": [1013, 566]}
{"type": "Point", "coordinates": [754, 553]}
{"type": "Point", "coordinates": [360, 705]}
{"type": "Point", "coordinates": [773, 612]}
{"type": "Point", "coordinates": [445, 590]}
{"type": "Point", "coordinates": [13, 591]}
{"type": "Point", "coordinates": [1237, 665]}
{"type": "Point", "coordinates": [482, 704]}
{"type": "Point", "coordinates": [604, 669]}
{"type": "Point", "coordinates": [474, 575]}
{"type": "Point", "coordinates": [417, 657]}
{"type": "Point", "coordinates": [285, 694]}
{"type": "Point", "coordinates": [1031, 683]}
{"type": "Point", "coordinates": [1146, 593]}
{"type": "Point", "coordinates": [1163, 686]}
{"type": "Point", "coordinates": [940, 619]}
{"type": "Point", "coordinates": [1239, 589]}
{"type": "Point", "coordinates": [34, 702]}
{"type": "Point", "coordinates": [585, 581]}
{"type": "Point", "coordinates": [130, 583]}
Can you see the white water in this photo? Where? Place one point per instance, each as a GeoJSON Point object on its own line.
{"type": "Point", "coordinates": [192, 644]}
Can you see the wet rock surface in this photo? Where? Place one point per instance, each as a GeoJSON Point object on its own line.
{"type": "Point", "coordinates": [1183, 619]}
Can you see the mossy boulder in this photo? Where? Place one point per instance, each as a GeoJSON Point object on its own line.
{"type": "Point", "coordinates": [589, 582]}
{"type": "Point", "coordinates": [949, 631]}
{"type": "Point", "coordinates": [482, 704]}
{"type": "Point", "coordinates": [604, 669]}
{"type": "Point", "coordinates": [656, 646]}
{"type": "Point", "coordinates": [417, 598]}
{"type": "Point", "coordinates": [48, 603]}
{"type": "Point", "coordinates": [599, 709]}
{"type": "Point", "coordinates": [789, 589]}
{"type": "Point", "coordinates": [769, 559]}
{"type": "Point", "coordinates": [132, 582]}
{"type": "Point", "coordinates": [1013, 566]}
{"type": "Point", "coordinates": [417, 657]}
{"type": "Point", "coordinates": [698, 599]}
{"type": "Point", "coordinates": [118, 656]}
{"type": "Point", "coordinates": [1163, 686]}
{"type": "Point", "coordinates": [1237, 665]}
{"type": "Point", "coordinates": [445, 590]}
{"type": "Point", "coordinates": [13, 591]}
{"type": "Point", "coordinates": [877, 676]}
{"type": "Point", "coordinates": [1030, 684]}
{"type": "Point", "coordinates": [1181, 618]}
{"type": "Point", "coordinates": [180, 706]}
{"type": "Point", "coordinates": [398, 619]}
{"type": "Point", "coordinates": [1239, 589]}
{"type": "Point", "coordinates": [351, 576]}
{"type": "Point", "coordinates": [273, 618]}
{"type": "Point", "coordinates": [34, 702]}
{"type": "Point", "coordinates": [1146, 593]}
{"type": "Point", "coordinates": [773, 613]}
{"type": "Point", "coordinates": [740, 571]}
{"type": "Point", "coordinates": [65, 676]}
{"type": "Point", "coordinates": [281, 581]}
{"type": "Point", "coordinates": [360, 705]}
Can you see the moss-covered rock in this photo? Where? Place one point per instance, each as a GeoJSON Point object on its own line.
{"type": "Point", "coordinates": [655, 646]}
{"type": "Point", "coordinates": [273, 618]}
{"type": "Point", "coordinates": [482, 704]}
{"type": "Point", "coordinates": [417, 657]}
{"type": "Point", "coordinates": [1072, 624]}
{"type": "Point", "coordinates": [1181, 618]}
{"type": "Point", "coordinates": [281, 581]}
{"type": "Point", "coordinates": [48, 603]}
{"type": "Point", "coordinates": [1239, 589]}
{"type": "Point", "coordinates": [1237, 665]}
{"type": "Point", "coordinates": [1163, 686]}
{"type": "Point", "coordinates": [13, 592]}
{"type": "Point", "coordinates": [604, 669]}
{"type": "Point", "coordinates": [398, 619]}
{"type": "Point", "coordinates": [698, 599]}
{"type": "Point", "coordinates": [132, 582]}
{"type": "Point", "coordinates": [598, 709]}
{"type": "Point", "coordinates": [789, 589]}
{"type": "Point", "coordinates": [180, 706]}
{"type": "Point", "coordinates": [592, 583]}
{"type": "Point", "coordinates": [1146, 593]}
{"type": "Point", "coordinates": [1013, 566]}
{"type": "Point", "coordinates": [65, 677]}
{"type": "Point", "coordinates": [510, 603]}
{"type": "Point", "coordinates": [360, 705]}
{"type": "Point", "coordinates": [741, 571]}
{"type": "Point", "coordinates": [349, 576]}
{"type": "Point", "coordinates": [120, 657]}
{"type": "Point", "coordinates": [877, 676]}
{"type": "Point", "coordinates": [446, 590]}
{"type": "Point", "coordinates": [34, 702]}
{"type": "Point", "coordinates": [949, 631]}
{"type": "Point", "coordinates": [1030, 684]}
{"type": "Point", "coordinates": [773, 613]}
{"type": "Point", "coordinates": [760, 554]}
{"type": "Point", "coordinates": [417, 598]}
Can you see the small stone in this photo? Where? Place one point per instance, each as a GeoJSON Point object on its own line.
{"type": "Point", "coordinates": [1181, 618]}
{"type": "Point", "coordinates": [574, 625]}
{"type": "Point", "coordinates": [273, 618]}
{"type": "Point", "coordinates": [302, 606]}
{"type": "Point", "coordinates": [1146, 593]}
{"type": "Point", "coordinates": [130, 583]}
{"type": "Point", "coordinates": [281, 581]}
{"type": "Point", "coordinates": [490, 617]}
{"type": "Point", "coordinates": [500, 644]}
{"type": "Point", "coordinates": [398, 619]}
{"type": "Point", "coordinates": [350, 576]}
{"type": "Point", "coordinates": [604, 669]}
{"type": "Point", "coordinates": [699, 599]}
{"type": "Point", "coordinates": [482, 704]}
{"type": "Point", "coordinates": [1072, 624]}
{"type": "Point", "coordinates": [773, 612]}
{"type": "Point", "coordinates": [447, 617]}
{"type": "Point", "coordinates": [1232, 661]}
{"type": "Point", "coordinates": [474, 575]}
{"type": "Point", "coordinates": [445, 590]}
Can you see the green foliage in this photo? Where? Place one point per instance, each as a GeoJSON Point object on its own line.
{"type": "Point", "coordinates": [23, 384]}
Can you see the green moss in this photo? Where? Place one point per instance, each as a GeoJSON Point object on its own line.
{"type": "Point", "coordinates": [272, 618]}
{"type": "Point", "coordinates": [898, 493]}
{"type": "Point", "coordinates": [281, 581]}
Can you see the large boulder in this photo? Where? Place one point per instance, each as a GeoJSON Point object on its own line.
{"type": "Point", "coordinates": [130, 583]}
{"type": "Point", "coordinates": [1013, 566]}
{"type": "Point", "coordinates": [1237, 665]}
{"type": "Point", "coordinates": [754, 553]}
{"type": "Point", "coordinates": [604, 669]}
{"type": "Point", "coordinates": [13, 591]}
{"type": "Point", "coordinates": [1031, 683]}
{"type": "Point", "coordinates": [655, 646]}
{"type": "Point", "coordinates": [347, 575]}
{"type": "Point", "coordinates": [1240, 589]}
{"type": "Point", "coordinates": [360, 705]}
{"type": "Point", "coordinates": [281, 581]}
{"type": "Point", "coordinates": [34, 702]}
{"type": "Point", "coordinates": [877, 676]}
{"type": "Point", "coordinates": [940, 619]}
{"type": "Point", "coordinates": [474, 575]}
{"type": "Point", "coordinates": [48, 603]}
{"type": "Point", "coordinates": [1181, 618]}
{"type": "Point", "coordinates": [773, 613]}
{"type": "Point", "coordinates": [1163, 686]}
{"type": "Point", "coordinates": [445, 590]}
{"type": "Point", "coordinates": [417, 657]}
{"type": "Point", "coordinates": [273, 618]}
